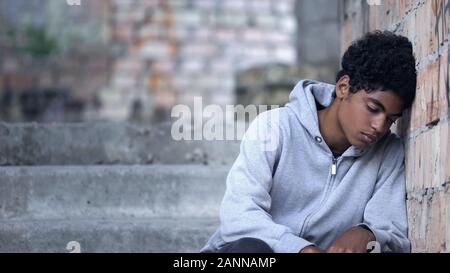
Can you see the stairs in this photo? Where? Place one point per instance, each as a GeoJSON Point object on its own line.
{"type": "Point", "coordinates": [109, 187]}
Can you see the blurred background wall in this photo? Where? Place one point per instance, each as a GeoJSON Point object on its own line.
{"type": "Point", "coordinates": [133, 60]}
{"type": "Point", "coordinates": [54, 60]}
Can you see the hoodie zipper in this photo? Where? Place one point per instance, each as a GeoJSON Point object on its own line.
{"type": "Point", "coordinates": [328, 186]}
{"type": "Point", "coordinates": [334, 167]}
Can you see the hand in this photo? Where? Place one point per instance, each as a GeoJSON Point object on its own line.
{"type": "Point", "coordinates": [311, 249]}
{"type": "Point", "coordinates": [354, 240]}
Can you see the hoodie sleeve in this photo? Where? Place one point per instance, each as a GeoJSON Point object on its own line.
{"type": "Point", "coordinates": [245, 207]}
{"type": "Point", "coordinates": [385, 213]}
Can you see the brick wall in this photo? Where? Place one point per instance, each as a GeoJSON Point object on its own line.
{"type": "Point", "coordinates": [425, 128]}
{"type": "Point", "coordinates": [170, 51]}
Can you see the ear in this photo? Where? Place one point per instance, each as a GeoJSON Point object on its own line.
{"type": "Point", "coordinates": [343, 87]}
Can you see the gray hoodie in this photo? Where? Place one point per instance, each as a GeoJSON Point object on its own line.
{"type": "Point", "coordinates": [297, 193]}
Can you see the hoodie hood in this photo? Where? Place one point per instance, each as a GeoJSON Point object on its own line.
{"type": "Point", "coordinates": [303, 101]}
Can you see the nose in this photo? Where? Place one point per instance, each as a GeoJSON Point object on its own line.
{"type": "Point", "coordinates": [379, 124]}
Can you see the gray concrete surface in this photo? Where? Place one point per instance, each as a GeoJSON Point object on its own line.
{"type": "Point", "coordinates": [118, 235]}
{"type": "Point", "coordinates": [111, 187]}
{"type": "Point", "coordinates": [65, 192]}
{"type": "Point", "coordinates": [106, 143]}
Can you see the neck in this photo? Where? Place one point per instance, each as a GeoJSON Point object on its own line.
{"type": "Point", "coordinates": [331, 129]}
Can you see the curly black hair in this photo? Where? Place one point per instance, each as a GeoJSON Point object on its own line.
{"type": "Point", "coordinates": [381, 61]}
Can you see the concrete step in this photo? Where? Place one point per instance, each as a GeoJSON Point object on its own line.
{"type": "Point", "coordinates": [106, 143]}
{"type": "Point", "coordinates": [109, 235]}
{"type": "Point", "coordinates": [66, 192]}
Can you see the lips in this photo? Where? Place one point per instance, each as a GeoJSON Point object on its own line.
{"type": "Point", "coordinates": [369, 138]}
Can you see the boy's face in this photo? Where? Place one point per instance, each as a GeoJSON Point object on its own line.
{"type": "Point", "coordinates": [366, 117]}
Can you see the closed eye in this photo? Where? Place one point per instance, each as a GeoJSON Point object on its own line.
{"type": "Point", "coordinates": [377, 110]}
{"type": "Point", "coordinates": [372, 110]}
